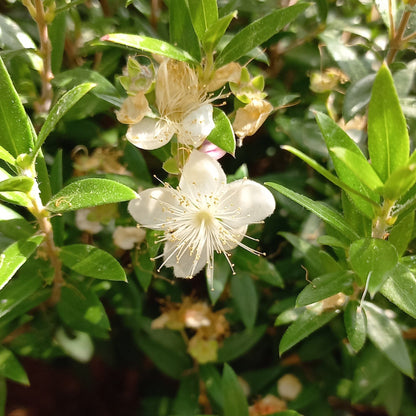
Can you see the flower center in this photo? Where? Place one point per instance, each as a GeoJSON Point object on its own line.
{"type": "Point", "coordinates": [204, 217]}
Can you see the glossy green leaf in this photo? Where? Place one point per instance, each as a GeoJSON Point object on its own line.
{"type": "Point", "coordinates": [204, 14]}
{"type": "Point", "coordinates": [326, 213]}
{"type": "Point", "coordinates": [357, 97]}
{"type": "Point", "coordinates": [216, 31]}
{"type": "Point", "coordinates": [15, 255]}
{"type": "Point", "coordinates": [399, 182]}
{"type": "Point", "coordinates": [12, 197]}
{"type": "Point", "coordinates": [258, 266]}
{"type": "Point", "coordinates": [386, 335]}
{"type": "Point", "coordinates": [92, 262]}
{"type": "Point", "coordinates": [307, 323]}
{"type": "Point", "coordinates": [325, 286]}
{"type": "Point", "coordinates": [355, 322]}
{"type": "Point", "coordinates": [390, 394]}
{"type": "Point", "coordinates": [359, 167]}
{"type": "Point", "coordinates": [401, 233]}
{"type": "Point", "coordinates": [17, 291]}
{"type": "Point", "coordinates": [212, 379]}
{"type": "Point", "coordinates": [222, 134]}
{"type": "Point", "coordinates": [371, 372]}
{"type": "Point", "coordinates": [15, 132]}
{"type": "Point", "coordinates": [16, 183]}
{"type": "Point", "coordinates": [57, 35]}
{"type": "Point", "coordinates": [239, 343]}
{"type": "Point", "coordinates": [6, 156]}
{"type": "Point", "coordinates": [336, 137]}
{"type": "Point", "coordinates": [89, 193]}
{"type": "Point", "coordinates": [11, 368]}
{"type": "Point", "coordinates": [388, 139]}
{"type": "Point", "coordinates": [144, 43]}
{"type": "Point", "coordinates": [245, 299]}
{"type": "Point", "coordinates": [399, 288]}
{"type": "Point", "coordinates": [68, 100]}
{"type": "Point", "coordinates": [258, 32]}
{"type": "Point", "coordinates": [180, 18]}
{"type": "Point", "coordinates": [372, 259]}
{"type": "Point", "coordinates": [143, 269]}
{"type": "Point", "coordinates": [80, 309]}
{"type": "Point", "coordinates": [327, 174]}
{"type": "Point", "coordinates": [13, 225]}
{"type": "Point", "coordinates": [235, 402]}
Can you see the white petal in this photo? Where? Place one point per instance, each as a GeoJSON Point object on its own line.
{"type": "Point", "coordinates": [184, 266]}
{"type": "Point", "coordinates": [153, 208]}
{"type": "Point", "coordinates": [201, 175]}
{"type": "Point", "coordinates": [250, 202]}
{"type": "Point", "coordinates": [150, 133]}
{"type": "Point", "coordinates": [196, 126]}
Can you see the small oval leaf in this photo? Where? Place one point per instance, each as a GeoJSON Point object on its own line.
{"type": "Point", "coordinates": [89, 193]}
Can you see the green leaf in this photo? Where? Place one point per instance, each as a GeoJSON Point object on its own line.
{"type": "Point", "coordinates": [180, 18]}
{"type": "Point", "coordinates": [244, 295]}
{"type": "Point", "coordinates": [6, 156]}
{"type": "Point", "coordinates": [15, 255]}
{"type": "Point", "coordinates": [325, 286]}
{"type": "Point", "coordinates": [17, 291]}
{"type": "Point", "coordinates": [15, 133]}
{"type": "Point", "coordinates": [78, 345]}
{"type": "Point", "coordinates": [258, 32]}
{"type": "Point", "coordinates": [92, 262]}
{"type": "Point", "coordinates": [222, 135]}
{"type": "Point", "coordinates": [166, 349]}
{"type": "Point", "coordinates": [152, 45]}
{"type": "Point", "coordinates": [239, 343]}
{"type": "Point", "coordinates": [399, 182]}
{"type": "Point", "coordinates": [89, 193]}
{"type": "Point", "coordinates": [386, 335]}
{"type": "Point", "coordinates": [222, 272]}
{"type": "Point", "coordinates": [216, 31]}
{"type": "Point", "coordinates": [12, 197]}
{"type": "Point", "coordinates": [257, 266]}
{"type": "Point", "coordinates": [327, 214]}
{"type": "Point", "coordinates": [3, 396]}
{"type": "Point", "coordinates": [57, 35]}
{"type": "Point", "coordinates": [309, 321]}
{"type": "Point", "coordinates": [11, 368]}
{"type": "Point", "coordinates": [399, 288]}
{"type": "Point", "coordinates": [69, 99]}
{"type": "Point", "coordinates": [80, 309]}
{"type": "Point", "coordinates": [327, 174]}
{"type": "Point", "coordinates": [357, 96]}
{"type": "Point", "coordinates": [390, 394]}
{"type": "Point", "coordinates": [359, 167]}
{"type": "Point", "coordinates": [371, 372]}
{"type": "Point", "coordinates": [388, 139]}
{"type": "Point", "coordinates": [355, 322]}
{"type": "Point", "coordinates": [372, 259]}
{"type": "Point", "coordinates": [13, 225]}
{"type": "Point", "coordinates": [16, 183]}
{"type": "Point", "coordinates": [336, 137]}
{"type": "Point", "coordinates": [204, 13]}
{"type": "Point", "coordinates": [234, 399]}
{"type": "Point", "coordinates": [401, 233]}
{"type": "Point", "coordinates": [186, 400]}
{"type": "Point", "coordinates": [143, 269]}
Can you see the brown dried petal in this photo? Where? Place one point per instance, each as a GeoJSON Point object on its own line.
{"type": "Point", "coordinates": [133, 110]}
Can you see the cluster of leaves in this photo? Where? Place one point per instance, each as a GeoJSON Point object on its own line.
{"type": "Point", "coordinates": [64, 292]}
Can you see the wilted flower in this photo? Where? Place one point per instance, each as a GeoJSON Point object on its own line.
{"type": "Point", "coordinates": [249, 118]}
{"type": "Point", "coordinates": [289, 387]}
{"type": "Point", "coordinates": [203, 215]}
{"type": "Point", "coordinates": [183, 110]}
{"type": "Point", "coordinates": [203, 350]}
{"type": "Point", "coordinates": [227, 73]}
{"type": "Point", "coordinates": [268, 405]}
{"type": "Point", "coordinates": [325, 81]}
{"type": "Point", "coordinates": [128, 237]}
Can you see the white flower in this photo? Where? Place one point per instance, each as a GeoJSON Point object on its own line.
{"type": "Point", "coordinates": [203, 215]}
{"type": "Point", "coordinates": [183, 110]}
{"type": "Point", "coordinates": [128, 237]}
{"type": "Point", "coordinates": [83, 222]}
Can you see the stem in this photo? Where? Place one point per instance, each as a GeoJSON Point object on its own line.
{"type": "Point", "coordinates": [384, 220]}
{"type": "Point", "coordinates": [44, 103]}
{"type": "Point", "coordinates": [45, 225]}
{"type": "Point", "coordinates": [397, 39]}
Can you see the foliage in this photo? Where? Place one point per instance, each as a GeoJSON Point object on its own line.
{"type": "Point", "coordinates": [109, 113]}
